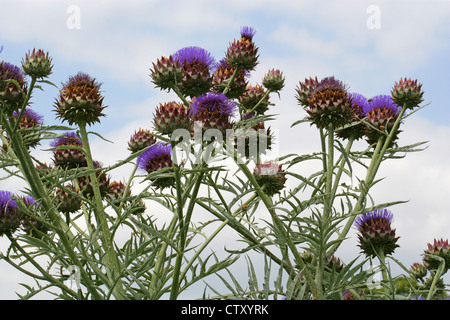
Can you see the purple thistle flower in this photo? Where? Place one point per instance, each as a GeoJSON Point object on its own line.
{"type": "Point", "coordinates": [381, 214]}
{"type": "Point", "coordinates": [358, 99]}
{"type": "Point", "coordinates": [69, 138]}
{"type": "Point", "coordinates": [223, 64]}
{"type": "Point", "coordinates": [194, 54]}
{"type": "Point", "coordinates": [6, 201]}
{"type": "Point", "coordinates": [9, 213]}
{"type": "Point", "coordinates": [330, 83]}
{"type": "Point", "coordinates": [30, 116]}
{"type": "Point", "coordinates": [381, 101]}
{"type": "Point", "coordinates": [1, 49]}
{"type": "Point", "coordinates": [375, 232]}
{"type": "Point", "coordinates": [153, 154]}
{"type": "Point", "coordinates": [158, 156]}
{"type": "Point", "coordinates": [212, 101]}
{"type": "Point", "coordinates": [248, 32]}
{"type": "Point", "coordinates": [11, 71]}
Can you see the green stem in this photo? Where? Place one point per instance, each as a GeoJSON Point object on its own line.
{"type": "Point", "coordinates": [230, 81]}
{"type": "Point", "coordinates": [436, 277]}
{"type": "Point", "coordinates": [364, 190]}
{"type": "Point", "coordinates": [162, 255]}
{"type": "Point", "coordinates": [377, 157]}
{"type": "Point", "coordinates": [180, 95]}
{"type": "Point", "coordinates": [183, 236]}
{"type": "Point", "coordinates": [25, 103]}
{"type": "Point", "coordinates": [341, 166]}
{"type": "Point", "coordinates": [110, 259]}
{"type": "Point", "coordinates": [328, 204]}
{"type": "Point", "coordinates": [260, 101]}
{"type": "Point", "coordinates": [211, 237]}
{"type": "Point", "coordinates": [279, 227]}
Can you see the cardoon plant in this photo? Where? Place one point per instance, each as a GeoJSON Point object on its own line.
{"type": "Point", "coordinates": [76, 215]}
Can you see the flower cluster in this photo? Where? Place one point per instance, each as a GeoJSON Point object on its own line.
{"type": "Point", "coordinates": [328, 102]}
{"type": "Point", "coordinates": [25, 216]}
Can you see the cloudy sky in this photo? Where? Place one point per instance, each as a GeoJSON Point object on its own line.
{"type": "Point", "coordinates": [367, 44]}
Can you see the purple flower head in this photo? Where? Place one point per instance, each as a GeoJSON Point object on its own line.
{"type": "Point", "coordinates": [358, 99]}
{"type": "Point", "coordinates": [381, 215]}
{"type": "Point", "coordinates": [157, 151]}
{"type": "Point", "coordinates": [30, 116]}
{"type": "Point", "coordinates": [248, 32]}
{"type": "Point", "coordinates": [193, 55]}
{"type": "Point", "coordinates": [29, 200]}
{"type": "Point", "coordinates": [81, 79]}
{"type": "Point", "coordinates": [330, 83]}
{"type": "Point", "coordinates": [381, 101]}
{"type": "Point", "coordinates": [224, 65]}
{"type": "Point", "coordinates": [6, 201]}
{"type": "Point", "coordinates": [1, 49]}
{"type": "Point", "coordinates": [11, 71]}
{"type": "Point", "coordinates": [212, 101]}
{"type": "Point", "coordinates": [70, 138]}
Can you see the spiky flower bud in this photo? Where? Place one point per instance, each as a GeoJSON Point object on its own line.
{"type": "Point", "coordinates": [80, 101]}
{"type": "Point", "coordinates": [10, 217]}
{"type": "Point", "coordinates": [274, 80]}
{"type": "Point", "coordinates": [243, 53]}
{"type": "Point", "coordinates": [37, 64]}
{"type": "Point", "coordinates": [66, 157]}
{"type": "Point", "coordinates": [407, 93]}
{"type": "Point", "coordinates": [356, 129]}
{"type": "Point", "coordinates": [171, 116]}
{"type": "Point", "coordinates": [375, 233]}
{"type": "Point", "coordinates": [157, 157]}
{"type": "Point", "coordinates": [195, 63]}
{"type": "Point", "coordinates": [166, 73]}
{"type": "Point", "coordinates": [329, 104]}
{"type": "Point", "coordinates": [117, 191]}
{"type": "Point", "coordinates": [381, 114]}
{"type": "Point", "coordinates": [140, 140]}
{"type": "Point", "coordinates": [29, 125]}
{"type": "Point", "coordinates": [32, 224]}
{"type": "Point", "coordinates": [13, 87]}
{"type": "Point", "coordinates": [67, 202]}
{"type": "Point", "coordinates": [440, 248]}
{"type": "Point", "coordinates": [270, 177]}
{"type": "Point", "coordinates": [103, 179]}
{"type": "Point", "coordinates": [252, 96]}
{"type": "Point", "coordinates": [223, 72]}
{"type": "Point", "coordinates": [305, 89]}
{"type": "Point", "coordinates": [418, 271]}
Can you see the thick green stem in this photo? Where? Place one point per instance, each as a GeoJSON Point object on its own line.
{"type": "Point", "coordinates": [184, 228]}
{"type": "Point", "coordinates": [210, 238]}
{"type": "Point", "coordinates": [377, 157]}
{"type": "Point", "coordinates": [230, 81]}
{"type": "Point", "coordinates": [25, 103]}
{"type": "Point", "coordinates": [110, 258]}
{"type": "Point", "coordinates": [328, 205]}
{"type": "Point", "coordinates": [260, 101]}
{"type": "Point", "coordinates": [279, 227]}
{"type": "Point", "coordinates": [341, 166]}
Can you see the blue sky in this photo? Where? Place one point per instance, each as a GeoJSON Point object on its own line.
{"type": "Point", "coordinates": [117, 41]}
